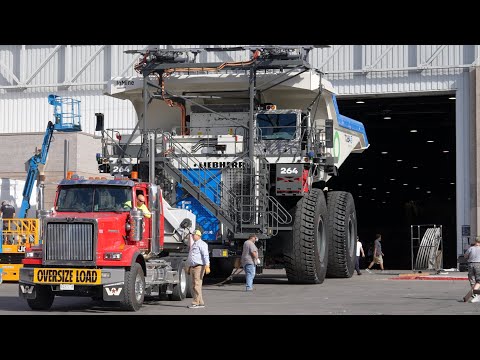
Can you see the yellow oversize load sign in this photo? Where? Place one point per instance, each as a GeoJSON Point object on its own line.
{"type": "Point", "coordinates": [67, 276]}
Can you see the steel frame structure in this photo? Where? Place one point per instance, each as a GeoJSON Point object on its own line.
{"type": "Point", "coordinates": [21, 80]}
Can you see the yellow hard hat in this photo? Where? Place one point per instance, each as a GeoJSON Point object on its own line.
{"type": "Point", "coordinates": [198, 232]}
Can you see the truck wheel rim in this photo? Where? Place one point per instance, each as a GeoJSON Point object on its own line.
{"type": "Point", "coordinates": [321, 237]}
{"type": "Point", "coordinates": [183, 281]}
{"type": "Point", "coordinates": [351, 235]}
{"type": "Point", "coordinates": [138, 288]}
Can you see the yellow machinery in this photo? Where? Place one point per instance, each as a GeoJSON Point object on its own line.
{"type": "Point", "coordinates": [17, 235]}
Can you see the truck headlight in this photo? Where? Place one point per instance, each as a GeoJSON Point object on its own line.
{"type": "Point", "coordinates": [112, 256]}
{"type": "Point", "coordinates": [33, 254]}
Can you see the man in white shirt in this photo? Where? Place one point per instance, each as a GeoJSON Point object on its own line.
{"type": "Point", "coordinates": [357, 259]}
{"type": "Point", "coordinates": [199, 264]}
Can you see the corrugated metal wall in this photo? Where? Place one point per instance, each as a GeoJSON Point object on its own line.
{"type": "Point", "coordinates": [31, 112]}
{"type": "Point", "coordinates": [29, 73]}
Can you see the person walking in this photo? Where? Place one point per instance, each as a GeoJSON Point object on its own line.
{"type": "Point", "coordinates": [473, 257]}
{"type": "Point", "coordinates": [357, 259]}
{"type": "Point", "coordinates": [377, 254]}
{"type": "Point", "coordinates": [199, 264]}
{"type": "Point", "coordinates": [249, 260]}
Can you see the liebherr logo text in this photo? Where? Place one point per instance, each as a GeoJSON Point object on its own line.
{"type": "Point", "coordinates": [68, 276]}
{"type": "Point", "coordinates": [125, 82]}
{"type": "Point", "coordinates": [220, 164]}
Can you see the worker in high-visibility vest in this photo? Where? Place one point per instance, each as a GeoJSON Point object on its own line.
{"type": "Point", "coordinates": [140, 204]}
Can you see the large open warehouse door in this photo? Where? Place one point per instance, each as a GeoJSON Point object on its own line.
{"type": "Point", "coordinates": [407, 176]}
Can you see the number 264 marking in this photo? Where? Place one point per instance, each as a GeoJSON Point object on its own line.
{"type": "Point", "coordinates": [121, 169]}
{"type": "Point", "coordinates": [288, 170]}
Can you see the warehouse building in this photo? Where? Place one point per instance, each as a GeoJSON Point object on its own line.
{"type": "Point", "coordinates": [419, 105]}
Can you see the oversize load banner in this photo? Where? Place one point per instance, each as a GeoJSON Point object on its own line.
{"type": "Point", "coordinates": [67, 276]}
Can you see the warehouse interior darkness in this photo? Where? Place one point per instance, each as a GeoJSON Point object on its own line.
{"type": "Point", "coordinates": [407, 175]}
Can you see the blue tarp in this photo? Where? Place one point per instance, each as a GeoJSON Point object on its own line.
{"type": "Point", "coordinates": [206, 221]}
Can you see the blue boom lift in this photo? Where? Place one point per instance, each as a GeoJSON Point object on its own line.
{"type": "Point", "coordinates": [67, 119]}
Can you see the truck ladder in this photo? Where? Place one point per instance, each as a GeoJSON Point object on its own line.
{"type": "Point", "coordinates": [271, 214]}
{"type": "Point", "coordinates": [240, 209]}
{"type": "Point", "coordinates": [176, 161]}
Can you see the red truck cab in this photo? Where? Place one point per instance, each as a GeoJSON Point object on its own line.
{"type": "Point", "coordinates": [94, 243]}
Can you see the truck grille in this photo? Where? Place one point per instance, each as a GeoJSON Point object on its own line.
{"type": "Point", "coordinates": [69, 242]}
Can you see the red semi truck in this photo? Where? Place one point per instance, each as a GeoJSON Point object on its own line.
{"type": "Point", "coordinates": [94, 244]}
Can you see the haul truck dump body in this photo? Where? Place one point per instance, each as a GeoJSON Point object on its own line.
{"type": "Point", "coordinates": [248, 147]}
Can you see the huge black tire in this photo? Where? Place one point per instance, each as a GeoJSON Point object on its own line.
{"type": "Point", "coordinates": [134, 288]}
{"type": "Point", "coordinates": [180, 290]}
{"type": "Point", "coordinates": [342, 232]}
{"type": "Point", "coordinates": [44, 298]}
{"type": "Point", "coordinates": [306, 250]}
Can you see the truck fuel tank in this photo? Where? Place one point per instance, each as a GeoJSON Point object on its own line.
{"type": "Point", "coordinates": [136, 223]}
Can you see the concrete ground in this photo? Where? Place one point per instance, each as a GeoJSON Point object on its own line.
{"type": "Point", "coordinates": [369, 294]}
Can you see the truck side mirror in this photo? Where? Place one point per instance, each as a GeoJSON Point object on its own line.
{"type": "Point", "coordinates": [99, 125]}
{"type": "Point", "coordinates": [186, 223]}
{"type": "Point", "coordinates": [329, 133]}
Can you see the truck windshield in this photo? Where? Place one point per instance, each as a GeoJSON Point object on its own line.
{"type": "Point", "coordinates": [277, 126]}
{"type": "Point", "coordinates": [94, 198]}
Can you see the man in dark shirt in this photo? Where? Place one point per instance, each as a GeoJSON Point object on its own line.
{"type": "Point", "coordinates": [249, 260]}
{"type": "Point", "coordinates": [7, 212]}
{"type": "Point", "coordinates": [377, 254]}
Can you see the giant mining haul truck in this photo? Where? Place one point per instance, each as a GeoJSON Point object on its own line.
{"type": "Point", "coordinates": [248, 147]}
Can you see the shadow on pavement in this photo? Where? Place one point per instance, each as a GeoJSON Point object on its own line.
{"type": "Point", "coordinates": [240, 279]}
{"type": "Point", "coordinates": [176, 304]}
